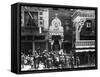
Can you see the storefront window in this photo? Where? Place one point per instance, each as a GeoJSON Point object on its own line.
{"type": "Point", "coordinates": [31, 19]}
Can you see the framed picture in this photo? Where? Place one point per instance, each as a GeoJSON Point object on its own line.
{"type": "Point", "coordinates": [49, 38]}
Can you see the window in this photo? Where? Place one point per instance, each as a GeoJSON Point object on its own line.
{"type": "Point", "coordinates": [88, 24]}
{"type": "Point", "coordinates": [41, 13]}
{"type": "Point", "coordinates": [31, 18]}
{"type": "Point", "coordinates": [41, 18]}
{"type": "Point", "coordinates": [41, 23]}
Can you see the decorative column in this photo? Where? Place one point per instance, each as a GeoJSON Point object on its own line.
{"type": "Point", "coordinates": [51, 41]}
{"type": "Point", "coordinates": [78, 23]}
{"type": "Point", "coordinates": [62, 38]}
{"type": "Point", "coordinates": [60, 42]}
{"type": "Point", "coordinates": [77, 32]}
{"type": "Point", "coordinates": [52, 44]}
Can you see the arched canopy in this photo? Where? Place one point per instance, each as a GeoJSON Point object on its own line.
{"type": "Point", "coordinates": [56, 28]}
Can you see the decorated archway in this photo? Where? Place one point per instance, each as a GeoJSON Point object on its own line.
{"type": "Point", "coordinates": [56, 32]}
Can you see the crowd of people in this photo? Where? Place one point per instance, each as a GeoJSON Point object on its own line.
{"type": "Point", "coordinates": [48, 59]}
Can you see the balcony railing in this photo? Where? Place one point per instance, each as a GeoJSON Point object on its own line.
{"type": "Point", "coordinates": [85, 44]}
